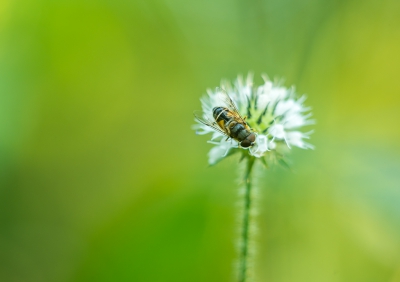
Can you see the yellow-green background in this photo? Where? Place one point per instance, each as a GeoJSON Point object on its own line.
{"type": "Point", "coordinates": [102, 178]}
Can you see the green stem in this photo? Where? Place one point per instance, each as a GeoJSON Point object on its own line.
{"type": "Point", "coordinates": [243, 263]}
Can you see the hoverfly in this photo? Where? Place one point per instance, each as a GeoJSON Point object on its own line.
{"type": "Point", "coordinates": [229, 122]}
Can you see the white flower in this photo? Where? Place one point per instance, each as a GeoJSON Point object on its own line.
{"type": "Point", "coordinates": [220, 151]}
{"type": "Point", "coordinates": [272, 112]}
{"type": "Point", "coordinates": [260, 146]}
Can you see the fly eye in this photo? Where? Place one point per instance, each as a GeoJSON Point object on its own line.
{"type": "Point", "coordinates": [245, 143]}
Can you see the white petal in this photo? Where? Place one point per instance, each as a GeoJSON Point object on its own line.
{"type": "Point", "coordinates": [260, 146]}
{"type": "Point", "coordinates": [216, 135]}
{"type": "Point", "coordinates": [263, 101]}
{"type": "Point", "coordinates": [278, 93]}
{"type": "Point", "coordinates": [220, 150]}
{"type": "Point", "coordinates": [295, 138]}
{"type": "Point", "coordinates": [263, 93]}
{"type": "Point", "coordinates": [297, 120]}
{"type": "Point", "coordinates": [215, 154]}
{"type": "Point", "coordinates": [272, 145]}
{"type": "Point", "coordinates": [287, 107]}
{"type": "Point", "coordinates": [277, 131]}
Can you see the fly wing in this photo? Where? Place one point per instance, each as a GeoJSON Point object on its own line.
{"type": "Point", "coordinates": [201, 117]}
{"type": "Point", "coordinates": [227, 100]}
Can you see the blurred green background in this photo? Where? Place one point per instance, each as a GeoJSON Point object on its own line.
{"type": "Point", "coordinates": [102, 179]}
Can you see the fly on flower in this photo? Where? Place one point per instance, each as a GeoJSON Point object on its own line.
{"type": "Point", "coordinates": [275, 117]}
{"type": "Point", "coordinates": [228, 121]}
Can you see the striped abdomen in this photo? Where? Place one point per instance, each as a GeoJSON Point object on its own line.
{"type": "Point", "coordinates": [234, 128]}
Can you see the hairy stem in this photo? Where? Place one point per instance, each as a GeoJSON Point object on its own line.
{"type": "Point", "coordinates": [244, 251]}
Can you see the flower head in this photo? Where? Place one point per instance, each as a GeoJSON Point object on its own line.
{"type": "Point", "coordinates": [270, 111]}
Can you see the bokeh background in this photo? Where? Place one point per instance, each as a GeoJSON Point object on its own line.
{"type": "Point", "coordinates": [102, 178]}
